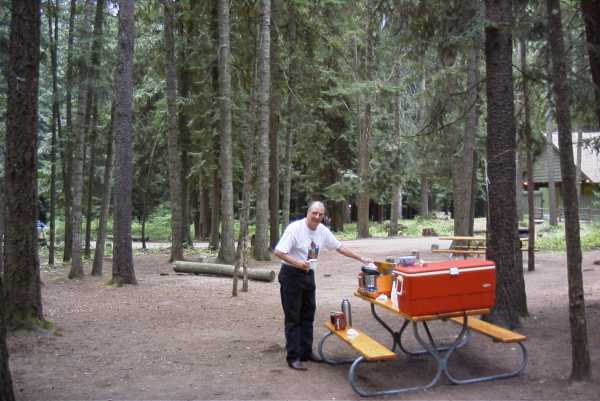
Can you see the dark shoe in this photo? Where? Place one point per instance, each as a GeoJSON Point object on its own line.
{"type": "Point", "coordinates": [297, 365]}
{"type": "Point", "coordinates": [312, 357]}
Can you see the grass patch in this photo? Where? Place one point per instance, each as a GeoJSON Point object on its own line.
{"type": "Point", "coordinates": [553, 238]}
{"type": "Point", "coordinates": [158, 228]}
{"type": "Point", "coordinates": [410, 228]}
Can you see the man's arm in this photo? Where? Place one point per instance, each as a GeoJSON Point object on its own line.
{"type": "Point", "coordinates": [347, 252]}
{"type": "Point", "coordinates": [292, 261]}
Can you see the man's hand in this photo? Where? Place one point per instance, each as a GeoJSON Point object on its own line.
{"type": "Point", "coordinates": [304, 265]}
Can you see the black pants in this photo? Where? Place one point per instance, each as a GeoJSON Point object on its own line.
{"type": "Point", "coordinates": [298, 301]}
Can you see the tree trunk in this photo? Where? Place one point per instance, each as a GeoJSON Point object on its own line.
{"type": "Point", "coordinates": [22, 266]}
{"type": "Point", "coordinates": [396, 212]}
{"type": "Point", "coordinates": [67, 150]}
{"type": "Point", "coordinates": [424, 211]}
{"type": "Point", "coordinates": [105, 205]}
{"type": "Point", "coordinates": [291, 110]}
{"type": "Point", "coordinates": [261, 243]}
{"type": "Point", "coordinates": [95, 59]}
{"type": "Point", "coordinates": [338, 215]}
{"type": "Point", "coordinates": [578, 168]}
{"type": "Point", "coordinates": [274, 117]}
{"type": "Point", "coordinates": [502, 238]}
{"type": "Point", "coordinates": [185, 78]}
{"type": "Point", "coordinates": [53, 10]}
{"type": "Point", "coordinates": [90, 182]}
{"type": "Point", "coordinates": [552, 207]}
{"type": "Point", "coordinates": [123, 270]}
{"type": "Point", "coordinates": [365, 130]}
{"type": "Point", "coordinates": [215, 209]}
{"type": "Point", "coordinates": [78, 136]}
{"type": "Point", "coordinates": [462, 166]}
{"type": "Point", "coordinates": [246, 186]}
{"type": "Point", "coordinates": [227, 248]}
{"type": "Point", "coordinates": [530, 210]}
{"type": "Point", "coordinates": [145, 189]}
{"type": "Point", "coordinates": [213, 158]}
{"type": "Point", "coordinates": [591, 15]}
{"type": "Point", "coordinates": [2, 220]}
{"type": "Point", "coordinates": [173, 138]}
{"type": "Point", "coordinates": [526, 128]}
{"type": "Point", "coordinates": [580, 356]}
{"type": "Point", "coordinates": [6, 386]}
{"type": "Point", "coordinates": [204, 207]}
{"type": "Point", "coordinates": [195, 197]}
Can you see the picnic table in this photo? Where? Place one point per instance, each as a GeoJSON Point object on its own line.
{"type": "Point", "coordinates": [370, 350]}
{"type": "Point", "coordinates": [468, 245]}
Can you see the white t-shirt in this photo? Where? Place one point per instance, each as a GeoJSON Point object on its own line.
{"type": "Point", "coordinates": [303, 243]}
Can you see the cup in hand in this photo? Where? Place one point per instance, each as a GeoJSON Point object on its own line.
{"type": "Point", "coordinates": [313, 263]}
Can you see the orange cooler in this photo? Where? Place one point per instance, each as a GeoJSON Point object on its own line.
{"type": "Point", "coordinates": [449, 286]}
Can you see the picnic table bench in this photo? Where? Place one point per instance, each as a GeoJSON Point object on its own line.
{"type": "Point", "coordinates": [469, 245]}
{"type": "Point", "coordinates": [370, 350]}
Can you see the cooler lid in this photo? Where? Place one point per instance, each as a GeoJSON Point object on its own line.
{"type": "Point", "coordinates": [445, 267]}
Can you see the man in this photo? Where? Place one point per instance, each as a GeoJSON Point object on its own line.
{"type": "Point", "coordinates": [299, 250]}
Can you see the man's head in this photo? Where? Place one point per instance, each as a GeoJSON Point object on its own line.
{"type": "Point", "coordinates": [315, 214]}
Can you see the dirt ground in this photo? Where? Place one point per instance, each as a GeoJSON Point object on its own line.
{"type": "Point", "coordinates": [176, 337]}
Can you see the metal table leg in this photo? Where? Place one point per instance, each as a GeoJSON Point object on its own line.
{"type": "Point", "coordinates": [371, 393]}
{"type": "Point", "coordinates": [515, 372]}
{"type": "Point", "coordinates": [440, 355]}
{"type": "Point", "coordinates": [329, 360]}
{"type": "Point", "coordinates": [397, 336]}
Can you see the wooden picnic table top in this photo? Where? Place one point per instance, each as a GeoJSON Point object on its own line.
{"type": "Point", "coordinates": [467, 238]}
{"type": "Point", "coordinates": [390, 307]}
{"type": "Point", "coordinates": [461, 238]}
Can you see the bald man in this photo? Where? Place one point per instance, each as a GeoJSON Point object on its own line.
{"type": "Point", "coordinates": [299, 249]}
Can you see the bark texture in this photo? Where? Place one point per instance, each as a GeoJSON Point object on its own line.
{"type": "Point", "coordinates": [22, 265]}
{"type": "Point", "coordinates": [78, 136]}
{"type": "Point", "coordinates": [2, 223]}
{"type": "Point", "coordinates": [365, 127]}
{"type": "Point", "coordinates": [67, 150]}
{"type": "Point", "coordinates": [527, 134]}
{"type": "Point", "coordinates": [185, 80]}
{"type": "Point", "coordinates": [175, 194]}
{"type": "Point", "coordinates": [53, 10]}
{"type": "Point", "coordinates": [203, 208]}
{"type": "Point", "coordinates": [424, 208]}
{"type": "Point", "coordinates": [502, 243]}
{"type": "Point", "coordinates": [591, 16]}
{"type": "Point", "coordinates": [580, 356]}
{"type": "Point", "coordinates": [95, 63]}
{"type": "Point", "coordinates": [105, 204]}
{"type": "Point", "coordinates": [6, 386]}
{"type": "Point", "coordinates": [261, 243]}
{"type": "Point", "coordinates": [286, 185]}
{"type": "Point", "coordinates": [274, 118]}
{"type": "Point", "coordinates": [396, 208]}
{"type": "Point", "coordinates": [241, 251]}
{"type": "Point", "coordinates": [464, 162]}
{"type": "Point", "coordinates": [123, 270]}
{"type": "Point", "coordinates": [552, 206]}
{"type": "Point", "coordinates": [227, 248]}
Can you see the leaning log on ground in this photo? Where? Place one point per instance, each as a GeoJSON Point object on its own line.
{"type": "Point", "coordinates": [223, 270]}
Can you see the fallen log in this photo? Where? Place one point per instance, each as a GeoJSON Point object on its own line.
{"type": "Point", "coordinates": [223, 270]}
